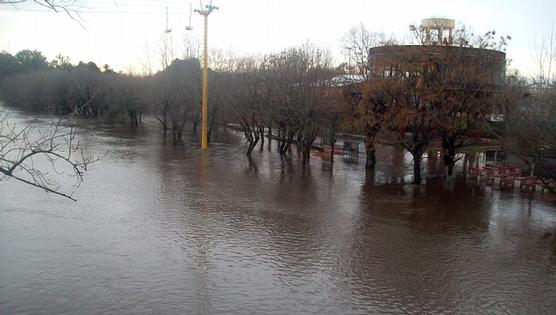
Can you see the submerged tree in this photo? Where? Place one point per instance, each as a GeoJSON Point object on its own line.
{"type": "Point", "coordinates": [39, 155]}
{"type": "Point", "coordinates": [529, 111]}
{"type": "Point", "coordinates": [176, 95]}
{"type": "Point", "coordinates": [245, 103]}
{"type": "Point", "coordinates": [416, 93]}
{"type": "Point", "coordinates": [298, 75]}
{"type": "Point", "coordinates": [367, 115]}
{"type": "Point", "coordinates": [462, 77]}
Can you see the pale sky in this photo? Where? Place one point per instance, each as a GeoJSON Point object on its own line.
{"type": "Point", "coordinates": [125, 33]}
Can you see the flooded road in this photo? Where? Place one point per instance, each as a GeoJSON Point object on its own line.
{"type": "Point", "coordinates": [159, 229]}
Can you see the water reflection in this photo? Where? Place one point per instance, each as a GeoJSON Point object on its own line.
{"type": "Point", "coordinates": [172, 229]}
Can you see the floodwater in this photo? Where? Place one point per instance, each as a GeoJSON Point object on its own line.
{"type": "Point", "coordinates": [159, 229]}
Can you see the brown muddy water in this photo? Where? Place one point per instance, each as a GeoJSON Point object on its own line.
{"type": "Point", "coordinates": [159, 229]}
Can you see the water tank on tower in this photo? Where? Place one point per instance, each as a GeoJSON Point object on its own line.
{"type": "Point", "coordinates": [438, 31]}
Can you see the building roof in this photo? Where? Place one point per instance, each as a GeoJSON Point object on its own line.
{"type": "Point", "coordinates": [345, 79]}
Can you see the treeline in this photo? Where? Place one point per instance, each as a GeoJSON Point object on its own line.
{"type": "Point", "coordinates": [58, 87]}
{"type": "Point", "coordinates": [416, 96]}
{"type": "Point", "coordinates": [284, 96]}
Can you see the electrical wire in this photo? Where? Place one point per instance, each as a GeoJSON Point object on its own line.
{"type": "Point", "coordinates": [141, 7]}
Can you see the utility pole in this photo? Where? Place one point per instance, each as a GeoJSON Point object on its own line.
{"type": "Point", "coordinates": [205, 12]}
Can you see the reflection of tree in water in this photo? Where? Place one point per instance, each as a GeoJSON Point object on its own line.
{"type": "Point", "coordinates": [427, 247]}
{"type": "Point", "coordinates": [429, 202]}
{"type": "Point", "coordinates": [253, 167]}
{"type": "Point", "coordinates": [232, 207]}
{"type": "Point", "coordinates": [391, 165]}
{"type": "Point", "coordinates": [402, 245]}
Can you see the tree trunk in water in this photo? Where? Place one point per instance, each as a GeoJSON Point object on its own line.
{"type": "Point", "coordinates": [370, 149]}
{"type": "Point", "coordinates": [371, 159]}
{"type": "Point", "coordinates": [286, 144]}
{"type": "Point", "coordinates": [250, 148]}
{"type": "Point", "coordinates": [253, 138]}
{"type": "Point", "coordinates": [332, 147]}
{"type": "Point", "coordinates": [164, 124]}
{"type": "Point", "coordinates": [262, 141]}
{"type": "Point", "coordinates": [132, 118]}
{"type": "Point", "coordinates": [306, 154]}
{"type": "Point", "coordinates": [179, 132]}
{"type": "Point", "coordinates": [449, 160]}
{"type": "Point", "coordinates": [269, 139]}
{"type": "Point", "coordinates": [416, 169]}
{"type": "Point", "coordinates": [449, 184]}
{"type": "Point", "coordinates": [279, 141]}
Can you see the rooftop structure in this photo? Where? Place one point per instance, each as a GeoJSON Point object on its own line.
{"type": "Point", "coordinates": [438, 31]}
{"type": "Point", "coordinates": [345, 79]}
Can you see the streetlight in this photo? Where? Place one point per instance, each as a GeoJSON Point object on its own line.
{"type": "Point", "coordinates": [205, 12]}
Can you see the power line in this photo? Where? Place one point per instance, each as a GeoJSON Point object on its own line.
{"type": "Point", "coordinates": [82, 12]}
{"type": "Point", "coordinates": [107, 7]}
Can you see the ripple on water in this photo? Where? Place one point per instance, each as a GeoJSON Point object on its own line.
{"type": "Point", "coordinates": [160, 229]}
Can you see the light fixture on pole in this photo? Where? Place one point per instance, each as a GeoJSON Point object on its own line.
{"type": "Point", "coordinates": [205, 11]}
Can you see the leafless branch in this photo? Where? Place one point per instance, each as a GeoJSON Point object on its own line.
{"type": "Point", "coordinates": [42, 156]}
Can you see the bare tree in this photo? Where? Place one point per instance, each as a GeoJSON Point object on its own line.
{"type": "Point", "coordinates": [40, 155]}
{"type": "Point", "coordinates": [176, 95]}
{"type": "Point", "coordinates": [37, 155]}
{"type": "Point", "coordinates": [529, 111]}
{"type": "Point", "coordinates": [298, 75]}
{"type": "Point", "coordinates": [192, 48]}
{"type": "Point", "coordinates": [246, 107]}
{"type": "Point", "coordinates": [69, 7]}
{"type": "Point", "coordinates": [357, 43]}
{"type": "Point", "coordinates": [125, 93]}
{"type": "Point", "coordinates": [545, 57]}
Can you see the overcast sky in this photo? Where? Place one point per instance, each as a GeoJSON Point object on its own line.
{"type": "Point", "coordinates": [125, 33]}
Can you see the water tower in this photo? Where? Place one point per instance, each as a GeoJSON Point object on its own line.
{"type": "Point", "coordinates": [438, 31]}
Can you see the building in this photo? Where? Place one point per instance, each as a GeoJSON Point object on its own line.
{"type": "Point", "coordinates": [441, 55]}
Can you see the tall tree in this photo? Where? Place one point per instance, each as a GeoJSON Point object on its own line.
{"type": "Point", "coordinates": [357, 43]}
{"type": "Point", "coordinates": [177, 95]}
{"type": "Point", "coordinates": [299, 74]}
{"type": "Point", "coordinates": [31, 60]}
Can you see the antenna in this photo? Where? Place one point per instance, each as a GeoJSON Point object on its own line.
{"type": "Point", "coordinates": [189, 27]}
{"type": "Point", "coordinates": [167, 29]}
